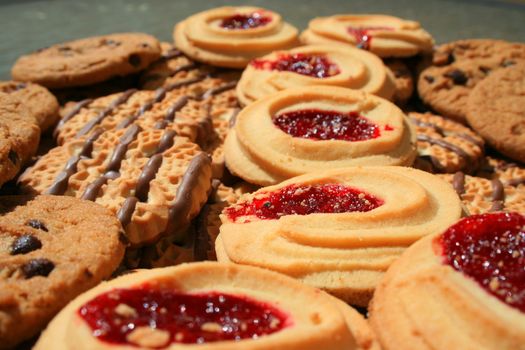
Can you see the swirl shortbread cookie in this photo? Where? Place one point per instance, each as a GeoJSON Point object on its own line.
{"type": "Point", "coordinates": [41, 104]}
{"type": "Point", "coordinates": [338, 230]}
{"type": "Point", "coordinates": [463, 289]}
{"type": "Point", "coordinates": [445, 146]}
{"type": "Point", "coordinates": [251, 309]}
{"type": "Point", "coordinates": [51, 250]}
{"type": "Point", "coordinates": [87, 61]}
{"type": "Point", "coordinates": [301, 130]}
{"type": "Point", "coordinates": [19, 136]}
{"type": "Point", "coordinates": [386, 36]}
{"type": "Point", "coordinates": [232, 36]}
{"type": "Point", "coordinates": [480, 195]}
{"type": "Point", "coordinates": [154, 180]}
{"type": "Point", "coordinates": [315, 65]}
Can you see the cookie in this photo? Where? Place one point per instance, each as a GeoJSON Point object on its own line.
{"type": "Point", "coordinates": [232, 36]}
{"type": "Point", "coordinates": [42, 105]}
{"type": "Point", "coordinates": [87, 61]}
{"type": "Point", "coordinates": [19, 136]}
{"type": "Point", "coordinates": [152, 179]}
{"type": "Point", "coordinates": [252, 308]}
{"type": "Point", "coordinates": [301, 130]}
{"type": "Point", "coordinates": [385, 36]}
{"type": "Point", "coordinates": [499, 52]}
{"type": "Point", "coordinates": [496, 110]}
{"type": "Point", "coordinates": [508, 172]}
{"type": "Point", "coordinates": [465, 285]}
{"type": "Point", "coordinates": [315, 65]}
{"type": "Point", "coordinates": [403, 80]}
{"type": "Point", "coordinates": [51, 250]}
{"type": "Point", "coordinates": [446, 146]}
{"type": "Point", "coordinates": [480, 195]}
{"type": "Point", "coordinates": [337, 230]}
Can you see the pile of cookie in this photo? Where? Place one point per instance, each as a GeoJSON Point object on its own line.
{"type": "Point", "coordinates": [354, 163]}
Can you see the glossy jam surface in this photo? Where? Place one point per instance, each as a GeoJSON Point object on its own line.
{"type": "Point", "coordinates": [241, 21]}
{"type": "Point", "coordinates": [490, 248]}
{"type": "Point", "coordinates": [316, 66]}
{"type": "Point", "coordinates": [305, 200]}
{"type": "Point", "coordinates": [180, 317]}
{"type": "Point", "coordinates": [363, 35]}
{"type": "Point", "coordinates": [326, 125]}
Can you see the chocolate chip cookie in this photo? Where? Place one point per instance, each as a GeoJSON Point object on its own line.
{"type": "Point", "coordinates": [403, 80]}
{"type": "Point", "coordinates": [51, 250]}
{"type": "Point", "coordinates": [87, 61]}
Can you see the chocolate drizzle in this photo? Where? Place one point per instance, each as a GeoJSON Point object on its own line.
{"type": "Point", "coordinates": [105, 112]}
{"type": "Point", "coordinates": [516, 182]}
{"type": "Point", "coordinates": [219, 89]}
{"type": "Point", "coordinates": [60, 184]}
{"type": "Point", "coordinates": [447, 145]}
{"type": "Point", "coordinates": [172, 53]}
{"type": "Point", "coordinates": [74, 111]}
{"type": "Point", "coordinates": [498, 196]}
{"type": "Point", "coordinates": [175, 107]}
{"type": "Point", "coordinates": [233, 118]}
{"type": "Point", "coordinates": [458, 182]}
{"type": "Point", "coordinates": [148, 173]}
{"type": "Point", "coordinates": [126, 211]}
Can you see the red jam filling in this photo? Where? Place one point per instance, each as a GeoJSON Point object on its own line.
{"type": "Point", "coordinates": [362, 35]}
{"type": "Point", "coordinates": [317, 66]}
{"type": "Point", "coordinates": [305, 200]}
{"type": "Point", "coordinates": [490, 248]}
{"type": "Point", "coordinates": [327, 125]}
{"type": "Point", "coordinates": [239, 21]}
{"type": "Point", "coordinates": [180, 317]}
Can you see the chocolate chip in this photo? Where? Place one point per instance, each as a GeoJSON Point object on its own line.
{"type": "Point", "coordinates": [485, 70]}
{"type": "Point", "coordinates": [134, 60]}
{"type": "Point", "coordinates": [13, 156]}
{"type": "Point", "coordinates": [64, 48]}
{"type": "Point", "coordinates": [20, 86]}
{"type": "Point", "coordinates": [39, 225]}
{"type": "Point", "coordinates": [507, 63]}
{"type": "Point", "coordinates": [430, 79]}
{"type": "Point", "coordinates": [457, 76]}
{"type": "Point", "coordinates": [37, 267]}
{"type": "Point", "coordinates": [144, 45]}
{"type": "Point", "coordinates": [451, 58]}
{"type": "Point", "coordinates": [25, 244]}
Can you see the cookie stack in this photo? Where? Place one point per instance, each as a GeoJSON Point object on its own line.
{"type": "Point", "coordinates": [154, 154]}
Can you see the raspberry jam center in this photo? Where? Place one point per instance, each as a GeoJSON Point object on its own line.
{"type": "Point", "coordinates": [305, 200]}
{"type": "Point", "coordinates": [317, 66]}
{"type": "Point", "coordinates": [163, 317]}
{"type": "Point", "coordinates": [490, 248]}
{"type": "Point", "coordinates": [326, 125]}
{"type": "Point", "coordinates": [362, 35]}
{"type": "Point", "coordinates": [240, 21]}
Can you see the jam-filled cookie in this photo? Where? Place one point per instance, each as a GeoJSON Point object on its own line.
{"type": "Point", "coordinates": [338, 230]}
{"type": "Point", "coordinates": [386, 36]}
{"type": "Point", "coordinates": [301, 130]}
{"type": "Point", "coordinates": [87, 61]}
{"type": "Point", "coordinates": [51, 250]}
{"type": "Point", "coordinates": [207, 306]}
{"type": "Point", "coordinates": [461, 289]}
{"type": "Point", "coordinates": [232, 36]}
{"type": "Point", "coordinates": [315, 65]}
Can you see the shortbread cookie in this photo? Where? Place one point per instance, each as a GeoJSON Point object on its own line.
{"type": "Point", "coordinates": [251, 309]}
{"type": "Point", "coordinates": [87, 61]}
{"type": "Point", "coordinates": [315, 65]}
{"type": "Point", "coordinates": [19, 136]}
{"type": "Point", "coordinates": [386, 36]}
{"type": "Point", "coordinates": [496, 110]}
{"type": "Point", "coordinates": [462, 289]}
{"type": "Point", "coordinates": [446, 146]}
{"type": "Point", "coordinates": [338, 230]}
{"type": "Point", "coordinates": [480, 195]}
{"type": "Point", "coordinates": [403, 80]}
{"type": "Point", "coordinates": [302, 130]}
{"type": "Point", "coordinates": [152, 179]}
{"type": "Point", "coordinates": [51, 250]}
{"type": "Point", "coordinates": [232, 36]}
{"type": "Point", "coordinates": [42, 105]}
{"type": "Point", "coordinates": [509, 173]}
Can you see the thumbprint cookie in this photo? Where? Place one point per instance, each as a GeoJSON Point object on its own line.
{"type": "Point", "coordinates": [301, 130]}
{"type": "Point", "coordinates": [338, 230]}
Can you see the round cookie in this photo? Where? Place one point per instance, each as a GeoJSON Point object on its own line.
{"type": "Point", "coordinates": [499, 52]}
{"type": "Point", "coordinates": [87, 61]}
{"type": "Point", "coordinates": [51, 250]}
{"type": "Point", "coordinates": [19, 136]}
{"type": "Point", "coordinates": [40, 103]}
{"type": "Point", "coordinates": [207, 306]}
{"type": "Point", "coordinates": [496, 110]}
{"type": "Point", "coordinates": [446, 146]}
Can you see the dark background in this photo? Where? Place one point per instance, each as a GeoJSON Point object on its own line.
{"type": "Point", "coordinates": [26, 25]}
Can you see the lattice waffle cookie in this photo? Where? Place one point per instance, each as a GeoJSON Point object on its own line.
{"type": "Point", "coordinates": [508, 172]}
{"type": "Point", "coordinates": [152, 179]}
